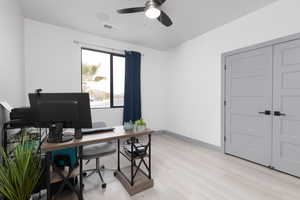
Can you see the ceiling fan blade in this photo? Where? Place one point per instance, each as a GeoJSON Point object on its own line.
{"type": "Point", "coordinates": [160, 2]}
{"type": "Point", "coordinates": [165, 19]}
{"type": "Point", "coordinates": [131, 10]}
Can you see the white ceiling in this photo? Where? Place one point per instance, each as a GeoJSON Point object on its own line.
{"type": "Point", "coordinates": [190, 18]}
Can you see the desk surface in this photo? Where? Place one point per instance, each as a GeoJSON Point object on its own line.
{"type": "Point", "coordinates": [117, 133]}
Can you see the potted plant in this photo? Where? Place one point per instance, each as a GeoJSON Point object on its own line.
{"type": "Point", "coordinates": [128, 126]}
{"type": "Point", "coordinates": [140, 125]}
{"type": "Point", "coordinates": [20, 173]}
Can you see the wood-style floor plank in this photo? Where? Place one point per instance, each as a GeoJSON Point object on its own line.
{"type": "Point", "coordinates": [185, 171]}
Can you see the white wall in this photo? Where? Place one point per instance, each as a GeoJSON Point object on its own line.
{"type": "Point", "coordinates": [194, 89]}
{"type": "Point", "coordinates": [11, 52]}
{"type": "Point", "coordinates": [181, 88]}
{"type": "Point", "coordinates": [53, 63]}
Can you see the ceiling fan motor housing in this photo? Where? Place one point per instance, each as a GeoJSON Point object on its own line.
{"type": "Point", "coordinates": [150, 4]}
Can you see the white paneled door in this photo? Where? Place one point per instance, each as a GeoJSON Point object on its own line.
{"type": "Point", "coordinates": [249, 105]}
{"type": "Point", "coordinates": [286, 131]}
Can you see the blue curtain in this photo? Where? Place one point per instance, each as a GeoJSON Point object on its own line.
{"type": "Point", "coordinates": [132, 96]}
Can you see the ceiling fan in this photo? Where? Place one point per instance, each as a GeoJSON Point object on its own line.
{"type": "Point", "coordinates": [152, 10]}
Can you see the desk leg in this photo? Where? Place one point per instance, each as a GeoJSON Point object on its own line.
{"type": "Point", "coordinates": [4, 138]}
{"type": "Point", "coordinates": [132, 161]}
{"type": "Point", "coordinates": [80, 174]}
{"type": "Point", "coordinates": [119, 168]}
{"type": "Point", "coordinates": [48, 157]}
{"type": "Point", "coordinates": [149, 156]}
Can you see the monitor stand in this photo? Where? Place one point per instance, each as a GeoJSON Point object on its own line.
{"type": "Point", "coordinates": [78, 133]}
{"type": "Point", "coordinates": [56, 134]}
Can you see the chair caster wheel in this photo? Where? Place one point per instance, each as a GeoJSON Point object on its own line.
{"type": "Point", "coordinates": [84, 174]}
{"type": "Point", "coordinates": [103, 185]}
{"type": "Point", "coordinates": [102, 167]}
{"type": "Point", "coordinates": [115, 173]}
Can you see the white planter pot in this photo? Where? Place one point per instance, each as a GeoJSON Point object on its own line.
{"type": "Point", "coordinates": [140, 128]}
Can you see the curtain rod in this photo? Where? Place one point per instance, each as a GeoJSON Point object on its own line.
{"type": "Point", "coordinates": [100, 46]}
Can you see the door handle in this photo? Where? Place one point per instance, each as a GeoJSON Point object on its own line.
{"type": "Point", "coordinates": [266, 112]}
{"type": "Point", "coordinates": [278, 113]}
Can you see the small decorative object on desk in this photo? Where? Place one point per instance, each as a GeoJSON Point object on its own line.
{"type": "Point", "coordinates": [140, 125]}
{"type": "Point", "coordinates": [128, 126]}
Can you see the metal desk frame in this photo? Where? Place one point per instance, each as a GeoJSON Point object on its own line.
{"type": "Point", "coordinates": [117, 134]}
{"type": "Point", "coordinates": [65, 179]}
{"type": "Point", "coordinates": [133, 159]}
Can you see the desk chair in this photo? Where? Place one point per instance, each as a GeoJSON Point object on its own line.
{"type": "Point", "coordinates": [97, 151]}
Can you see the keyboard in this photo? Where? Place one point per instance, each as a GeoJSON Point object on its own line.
{"type": "Point", "coordinates": [86, 131]}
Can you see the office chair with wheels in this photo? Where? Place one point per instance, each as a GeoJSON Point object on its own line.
{"type": "Point", "coordinates": [97, 151]}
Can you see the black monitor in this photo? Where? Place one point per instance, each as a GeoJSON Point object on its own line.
{"type": "Point", "coordinates": [61, 110]}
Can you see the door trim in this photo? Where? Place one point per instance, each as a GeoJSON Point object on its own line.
{"type": "Point", "coordinates": [271, 43]}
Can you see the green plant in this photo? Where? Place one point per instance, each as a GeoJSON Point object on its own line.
{"type": "Point", "coordinates": [140, 122]}
{"type": "Point", "coordinates": [19, 174]}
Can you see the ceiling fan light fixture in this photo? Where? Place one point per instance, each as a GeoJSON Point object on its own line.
{"type": "Point", "coordinates": [152, 11]}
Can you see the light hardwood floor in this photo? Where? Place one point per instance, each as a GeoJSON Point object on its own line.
{"type": "Point", "coordinates": [185, 171]}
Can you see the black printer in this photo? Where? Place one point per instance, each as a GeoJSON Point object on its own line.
{"type": "Point", "coordinates": [21, 117]}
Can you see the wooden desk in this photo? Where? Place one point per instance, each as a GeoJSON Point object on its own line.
{"type": "Point", "coordinates": [117, 134]}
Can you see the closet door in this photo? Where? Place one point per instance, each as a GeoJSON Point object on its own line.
{"type": "Point", "coordinates": [286, 152]}
{"type": "Point", "coordinates": [249, 105]}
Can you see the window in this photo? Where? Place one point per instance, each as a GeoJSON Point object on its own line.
{"type": "Point", "coordinates": [103, 77]}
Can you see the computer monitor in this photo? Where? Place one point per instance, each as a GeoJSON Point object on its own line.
{"type": "Point", "coordinates": [61, 110]}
